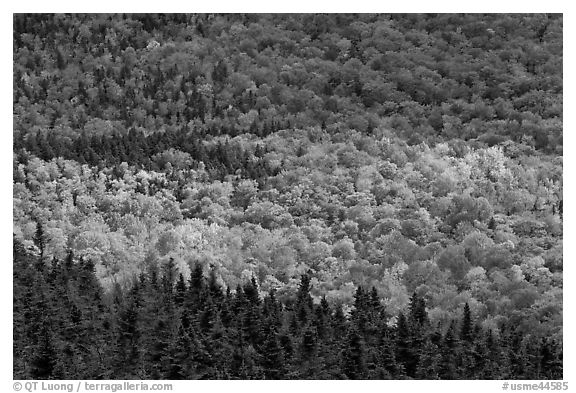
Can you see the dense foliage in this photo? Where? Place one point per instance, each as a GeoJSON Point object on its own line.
{"type": "Point", "coordinates": [166, 327]}
{"type": "Point", "coordinates": [418, 155]}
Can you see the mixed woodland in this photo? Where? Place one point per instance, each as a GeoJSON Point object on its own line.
{"type": "Point", "coordinates": [302, 196]}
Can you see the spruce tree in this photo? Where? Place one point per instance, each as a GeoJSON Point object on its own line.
{"type": "Point", "coordinates": [429, 361]}
{"type": "Point", "coordinates": [467, 342]}
{"type": "Point", "coordinates": [272, 357]}
{"type": "Point", "coordinates": [449, 349]}
{"type": "Point", "coordinates": [406, 352]}
{"type": "Point", "coordinates": [180, 291]}
{"type": "Point", "coordinates": [387, 355]}
{"type": "Point", "coordinates": [418, 315]}
{"type": "Point", "coordinates": [309, 362]}
{"type": "Point", "coordinates": [44, 356]}
{"type": "Point", "coordinates": [551, 364]}
{"type": "Point", "coordinates": [466, 327]}
{"type": "Point", "coordinates": [40, 242]}
{"type": "Point", "coordinates": [196, 287]}
{"type": "Point", "coordinates": [177, 357]}
{"type": "Point", "coordinates": [354, 362]}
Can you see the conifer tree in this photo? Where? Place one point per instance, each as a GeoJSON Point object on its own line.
{"type": "Point", "coordinates": [272, 357]}
{"type": "Point", "coordinates": [177, 356]}
{"type": "Point", "coordinates": [44, 358]}
{"type": "Point", "coordinates": [466, 327]}
{"type": "Point", "coordinates": [467, 343]}
{"type": "Point", "coordinates": [418, 315]}
{"type": "Point", "coordinates": [387, 355]}
{"type": "Point", "coordinates": [406, 353]}
{"type": "Point", "coordinates": [551, 365]}
{"type": "Point", "coordinates": [214, 287]}
{"type": "Point", "coordinates": [251, 292]}
{"type": "Point", "coordinates": [196, 287]}
{"type": "Point", "coordinates": [449, 367]}
{"type": "Point", "coordinates": [354, 362]}
{"type": "Point", "coordinates": [180, 290]}
{"type": "Point", "coordinates": [40, 241]}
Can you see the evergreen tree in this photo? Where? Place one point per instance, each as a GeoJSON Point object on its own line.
{"type": "Point", "coordinates": [418, 315]}
{"type": "Point", "coordinates": [196, 288]}
{"type": "Point", "coordinates": [251, 292]}
{"type": "Point", "coordinates": [466, 327]}
{"type": "Point", "coordinates": [551, 365]}
{"type": "Point", "coordinates": [178, 356]}
{"type": "Point", "coordinates": [449, 349]}
{"type": "Point", "coordinates": [213, 287]}
{"type": "Point", "coordinates": [44, 358]}
{"type": "Point", "coordinates": [180, 291]}
{"type": "Point", "coordinates": [467, 342]}
{"type": "Point", "coordinates": [429, 362]}
{"type": "Point", "coordinates": [387, 356]}
{"type": "Point", "coordinates": [304, 304]}
{"type": "Point", "coordinates": [353, 362]}
{"type": "Point", "coordinates": [40, 241]}
{"type": "Point", "coordinates": [272, 357]}
{"type": "Point", "coordinates": [406, 353]}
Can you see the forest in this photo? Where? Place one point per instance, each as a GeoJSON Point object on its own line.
{"type": "Point", "coordinates": [287, 196]}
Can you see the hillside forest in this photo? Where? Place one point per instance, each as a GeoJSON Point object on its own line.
{"type": "Point", "coordinates": [287, 196]}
